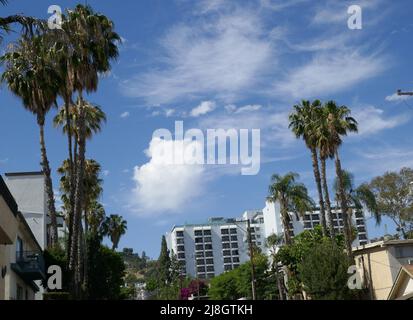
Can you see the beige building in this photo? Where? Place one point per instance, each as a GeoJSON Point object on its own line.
{"type": "Point", "coordinates": [21, 258]}
{"type": "Point", "coordinates": [379, 264]}
{"type": "Point", "coordinates": [403, 286]}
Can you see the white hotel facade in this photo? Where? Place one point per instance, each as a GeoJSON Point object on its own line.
{"type": "Point", "coordinates": [221, 244]}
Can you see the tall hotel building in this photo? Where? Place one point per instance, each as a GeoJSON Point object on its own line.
{"type": "Point", "coordinates": [221, 244]}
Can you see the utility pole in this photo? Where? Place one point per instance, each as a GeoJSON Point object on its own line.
{"type": "Point", "coordinates": [252, 260]}
{"type": "Point", "coordinates": [400, 93]}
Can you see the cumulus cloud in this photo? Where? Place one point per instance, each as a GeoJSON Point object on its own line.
{"type": "Point", "coordinates": [163, 187]}
{"type": "Point", "coordinates": [204, 108]}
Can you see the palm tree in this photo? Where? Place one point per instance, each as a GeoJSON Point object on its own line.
{"type": "Point", "coordinates": [94, 45]}
{"type": "Point", "coordinates": [357, 197]}
{"type": "Point", "coordinates": [326, 151]}
{"type": "Point", "coordinates": [94, 117]}
{"type": "Point", "coordinates": [303, 122]}
{"type": "Point", "coordinates": [30, 75]}
{"type": "Point", "coordinates": [338, 123]}
{"type": "Point", "coordinates": [292, 196]}
{"type": "Point", "coordinates": [29, 24]}
{"type": "Point", "coordinates": [115, 227]}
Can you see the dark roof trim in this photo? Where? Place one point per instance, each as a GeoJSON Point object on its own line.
{"type": "Point", "coordinates": [28, 173]}
{"type": "Point", "coordinates": [7, 196]}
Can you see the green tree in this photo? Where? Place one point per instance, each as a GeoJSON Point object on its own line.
{"type": "Point", "coordinates": [323, 272]}
{"type": "Point", "coordinates": [292, 255]}
{"type": "Point", "coordinates": [394, 194]}
{"type": "Point", "coordinates": [273, 242]}
{"type": "Point", "coordinates": [303, 122]}
{"type": "Point", "coordinates": [164, 263]}
{"type": "Point", "coordinates": [105, 272]}
{"type": "Point", "coordinates": [292, 197]}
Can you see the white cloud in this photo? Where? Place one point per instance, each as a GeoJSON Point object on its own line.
{"type": "Point", "coordinates": [125, 114]}
{"type": "Point", "coordinates": [396, 97]}
{"type": "Point", "coordinates": [163, 188]}
{"type": "Point", "coordinates": [329, 73]}
{"type": "Point", "coordinates": [273, 126]}
{"type": "Point", "coordinates": [204, 108]}
{"type": "Point", "coordinates": [372, 120]}
{"type": "Point", "coordinates": [219, 55]}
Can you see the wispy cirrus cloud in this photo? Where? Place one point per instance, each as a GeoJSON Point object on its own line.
{"type": "Point", "coordinates": [328, 73]}
{"type": "Point", "coordinates": [219, 55]}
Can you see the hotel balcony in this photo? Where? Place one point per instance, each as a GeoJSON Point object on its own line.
{"type": "Point", "coordinates": [29, 265]}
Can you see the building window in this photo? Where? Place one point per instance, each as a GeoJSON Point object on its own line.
{"type": "Point", "coordinates": [179, 233]}
{"type": "Point", "coordinates": [258, 243]}
{"type": "Point", "coordinates": [234, 238]}
{"type": "Point", "coordinates": [198, 240]}
{"type": "Point", "coordinates": [234, 231]}
{"type": "Point", "coordinates": [224, 231]}
{"type": "Point", "coordinates": [181, 255]}
{"type": "Point", "coordinates": [234, 245]}
{"type": "Point", "coordinates": [181, 248]}
{"type": "Point", "coordinates": [226, 252]}
{"type": "Point", "coordinates": [209, 254]}
{"type": "Point", "coordinates": [200, 262]}
{"type": "Point", "coordinates": [208, 247]}
{"type": "Point", "coordinates": [235, 252]}
{"type": "Point", "coordinates": [199, 247]}
{"type": "Point", "coordinates": [201, 269]}
{"type": "Point", "coordinates": [235, 259]}
{"type": "Point", "coordinates": [227, 267]}
{"type": "Point", "coordinates": [208, 239]}
{"type": "Point", "coordinates": [209, 261]}
{"type": "Point", "coordinates": [207, 232]}
{"type": "Point", "coordinates": [225, 238]}
{"type": "Point", "coordinates": [180, 241]}
{"type": "Point", "coordinates": [225, 246]}
{"type": "Point", "coordinates": [198, 232]}
{"type": "Point", "coordinates": [210, 269]}
{"type": "Point", "coordinates": [227, 260]}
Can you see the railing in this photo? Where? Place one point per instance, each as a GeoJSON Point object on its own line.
{"type": "Point", "coordinates": [30, 264]}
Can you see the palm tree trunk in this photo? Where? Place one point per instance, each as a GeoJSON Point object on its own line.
{"type": "Point", "coordinates": [327, 197]}
{"type": "Point", "coordinates": [343, 205]}
{"type": "Point", "coordinates": [319, 190]}
{"type": "Point", "coordinates": [71, 175]}
{"type": "Point", "coordinates": [286, 222]}
{"type": "Point", "coordinates": [48, 185]}
{"type": "Point", "coordinates": [279, 284]}
{"type": "Point", "coordinates": [80, 166]}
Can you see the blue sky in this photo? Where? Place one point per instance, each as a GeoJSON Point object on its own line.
{"type": "Point", "coordinates": [229, 64]}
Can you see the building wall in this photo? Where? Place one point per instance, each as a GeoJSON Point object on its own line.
{"type": "Point", "coordinates": [380, 266]}
{"type": "Point", "coordinates": [196, 245]}
{"type": "Point", "coordinates": [29, 193]}
{"type": "Point", "coordinates": [8, 225]}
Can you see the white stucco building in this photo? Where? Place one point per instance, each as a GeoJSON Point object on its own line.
{"type": "Point", "coordinates": [221, 244]}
